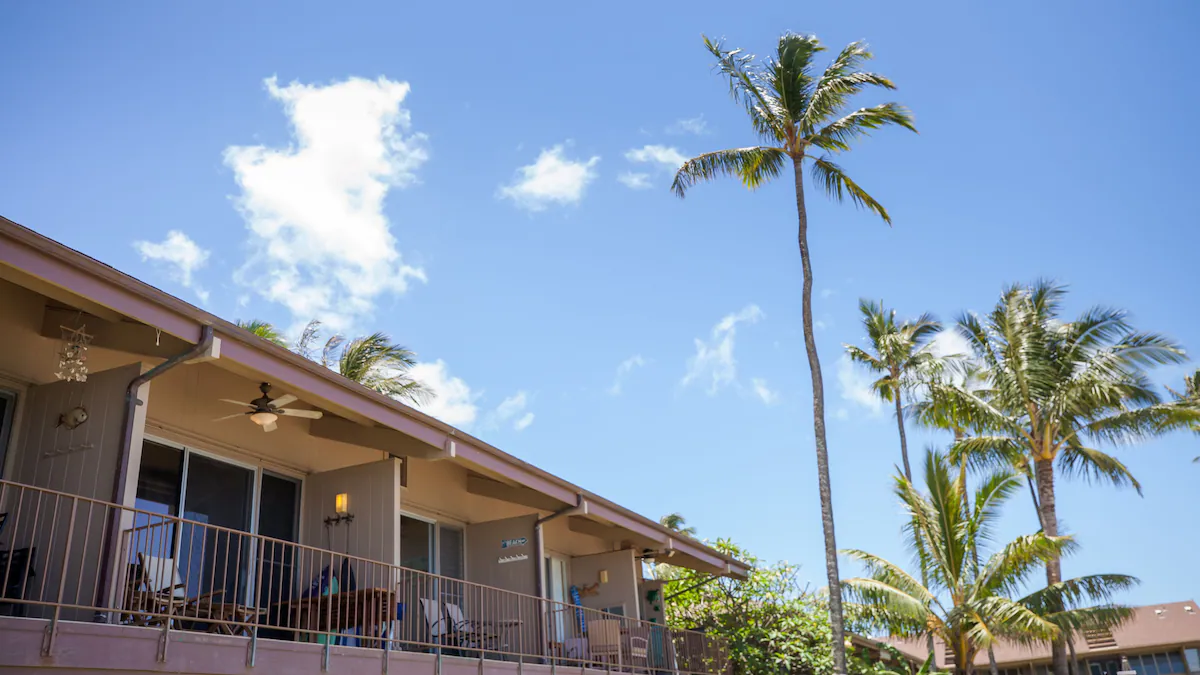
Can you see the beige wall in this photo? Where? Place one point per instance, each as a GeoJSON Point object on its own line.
{"type": "Point", "coordinates": [373, 491]}
{"type": "Point", "coordinates": [623, 578]}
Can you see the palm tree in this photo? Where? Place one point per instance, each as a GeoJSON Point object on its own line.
{"type": "Point", "coordinates": [798, 116]}
{"type": "Point", "coordinates": [373, 361]}
{"type": "Point", "coordinates": [677, 523]}
{"type": "Point", "coordinates": [901, 350]}
{"type": "Point", "coordinates": [1055, 389]}
{"type": "Point", "coordinates": [1190, 396]}
{"type": "Point", "coordinates": [264, 330]}
{"type": "Point", "coordinates": [967, 605]}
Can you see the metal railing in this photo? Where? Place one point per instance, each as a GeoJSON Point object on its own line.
{"type": "Point", "coordinates": [178, 574]}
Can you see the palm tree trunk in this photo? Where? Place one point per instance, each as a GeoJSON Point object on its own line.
{"type": "Point", "coordinates": [1074, 658]}
{"type": "Point", "coordinates": [993, 669]}
{"type": "Point", "coordinates": [903, 438]}
{"type": "Point", "coordinates": [1049, 516]}
{"type": "Point", "coordinates": [838, 639]}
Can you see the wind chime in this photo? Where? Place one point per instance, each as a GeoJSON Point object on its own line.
{"type": "Point", "coordinates": [72, 359]}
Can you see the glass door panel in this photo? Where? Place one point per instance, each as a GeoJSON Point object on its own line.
{"type": "Point", "coordinates": [221, 494]}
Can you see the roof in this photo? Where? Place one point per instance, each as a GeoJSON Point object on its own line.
{"type": "Point", "coordinates": [1152, 628]}
{"type": "Point", "coordinates": [52, 262]}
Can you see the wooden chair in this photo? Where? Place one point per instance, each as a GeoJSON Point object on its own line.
{"type": "Point", "coordinates": [165, 595]}
{"type": "Point", "coordinates": [637, 645]}
{"type": "Point", "coordinates": [604, 641]}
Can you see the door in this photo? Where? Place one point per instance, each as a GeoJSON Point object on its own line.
{"type": "Point", "coordinates": [556, 590]}
{"type": "Point", "coordinates": [278, 519]}
{"type": "Point", "coordinates": [221, 495]}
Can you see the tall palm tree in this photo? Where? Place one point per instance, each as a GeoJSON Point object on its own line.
{"type": "Point", "coordinates": [801, 116]}
{"type": "Point", "coordinates": [264, 330]}
{"type": "Point", "coordinates": [965, 604]}
{"type": "Point", "coordinates": [1055, 389]}
{"type": "Point", "coordinates": [373, 361]}
{"type": "Point", "coordinates": [901, 350]}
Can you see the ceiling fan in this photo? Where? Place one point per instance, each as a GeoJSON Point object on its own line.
{"type": "Point", "coordinates": [264, 410]}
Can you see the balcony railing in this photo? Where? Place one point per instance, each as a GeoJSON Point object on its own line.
{"type": "Point", "coordinates": [71, 558]}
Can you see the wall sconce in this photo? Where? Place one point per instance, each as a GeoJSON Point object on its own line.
{"type": "Point", "coordinates": [341, 506]}
{"type": "Point", "coordinates": [604, 576]}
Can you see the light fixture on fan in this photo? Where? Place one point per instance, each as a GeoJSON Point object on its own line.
{"type": "Point", "coordinates": [266, 411]}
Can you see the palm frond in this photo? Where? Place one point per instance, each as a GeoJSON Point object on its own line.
{"type": "Point", "coordinates": [754, 166]}
{"type": "Point", "coordinates": [1075, 460]}
{"type": "Point", "coordinates": [837, 135]}
{"type": "Point", "coordinates": [838, 186]}
{"type": "Point", "coordinates": [767, 115]}
{"type": "Point", "coordinates": [842, 79]}
{"type": "Point", "coordinates": [264, 330]}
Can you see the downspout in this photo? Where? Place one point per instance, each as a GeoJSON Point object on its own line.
{"type": "Point", "coordinates": [132, 402]}
{"type": "Point", "coordinates": [539, 541]}
{"type": "Point", "coordinates": [539, 545]}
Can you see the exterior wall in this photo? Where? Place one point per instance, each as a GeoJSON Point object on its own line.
{"type": "Point", "coordinates": [512, 568]}
{"type": "Point", "coordinates": [374, 494]}
{"type": "Point", "coordinates": [62, 536]}
{"type": "Point", "coordinates": [623, 577]}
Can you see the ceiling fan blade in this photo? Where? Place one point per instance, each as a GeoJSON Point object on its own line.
{"type": "Point", "coordinates": [229, 417]}
{"type": "Point", "coordinates": [283, 400]}
{"type": "Point", "coordinates": [229, 400]}
{"type": "Point", "coordinates": [270, 427]}
{"type": "Point", "coordinates": [309, 414]}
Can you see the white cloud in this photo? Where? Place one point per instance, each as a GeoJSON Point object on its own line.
{"type": "Point", "coordinates": [763, 392]}
{"type": "Point", "coordinates": [512, 409]}
{"type": "Point", "coordinates": [713, 360]}
{"type": "Point", "coordinates": [454, 403]}
{"type": "Point", "coordinates": [666, 158]}
{"type": "Point", "coordinates": [180, 256]}
{"type": "Point", "coordinates": [623, 370]}
{"type": "Point", "coordinates": [820, 324]}
{"type": "Point", "coordinates": [949, 343]}
{"type": "Point", "coordinates": [855, 383]}
{"type": "Point", "coordinates": [841, 414]}
{"type": "Point", "coordinates": [551, 179]}
{"type": "Point", "coordinates": [827, 293]}
{"type": "Point", "coordinates": [320, 242]}
{"type": "Point", "coordinates": [689, 125]}
{"type": "Point", "coordinates": [635, 181]}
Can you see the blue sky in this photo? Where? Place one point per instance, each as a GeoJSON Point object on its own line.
{"type": "Point", "coordinates": [494, 195]}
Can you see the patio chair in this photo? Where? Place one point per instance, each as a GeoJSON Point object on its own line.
{"type": "Point", "coordinates": [435, 623]}
{"type": "Point", "coordinates": [165, 596]}
{"type": "Point", "coordinates": [636, 645]}
{"type": "Point", "coordinates": [474, 634]}
{"type": "Point", "coordinates": [604, 641]}
{"type": "Point", "coordinates": [16, 568]}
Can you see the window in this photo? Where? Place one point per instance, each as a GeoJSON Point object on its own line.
{"type": "Point", "coordinates": [1162, 663]}
{"type": "Point", "coordinates": [427, 546]}
{"type": "Point", "coordinates": [1193, 660]}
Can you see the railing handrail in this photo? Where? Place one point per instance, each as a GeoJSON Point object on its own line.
{"type": "Point", "coordinates": [166, 519]}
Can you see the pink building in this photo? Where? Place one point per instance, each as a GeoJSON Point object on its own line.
{"type": "Point", "coordinates": [328, 528]}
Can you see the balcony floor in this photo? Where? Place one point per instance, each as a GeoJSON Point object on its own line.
{"type": "Point", "coordinates": [84, 648]}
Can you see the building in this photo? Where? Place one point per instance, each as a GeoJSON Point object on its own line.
{"type": "Point", "coordinates": [207, 502]}
{"type": "Point", "coordinates": [1158, 640]}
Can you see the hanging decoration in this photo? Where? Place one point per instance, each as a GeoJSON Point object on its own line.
{"type": "Point", "coordinates": [72, 360]}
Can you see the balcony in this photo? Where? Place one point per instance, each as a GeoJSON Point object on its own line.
{"type": "Point", "coordinates": [89, 584]}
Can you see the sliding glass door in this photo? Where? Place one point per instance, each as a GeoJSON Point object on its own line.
{"type": "Point", "coordinates": [219, 494]}
{"type": "Point", "coordinates": [222, 496]}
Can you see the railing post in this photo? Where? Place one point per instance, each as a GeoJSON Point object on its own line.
{"type": "Point", "coordinates": [52, 629]}
{"type": "Point", "coordinates": [256, 586]}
